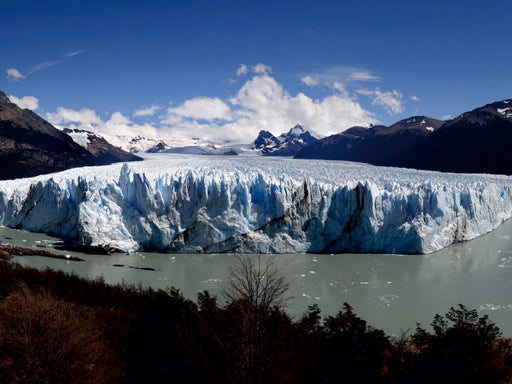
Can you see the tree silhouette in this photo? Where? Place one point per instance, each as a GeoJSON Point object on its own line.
{"type": "Point", "coordinates": [250, 339]}
{"type": "Point", "coordinates": [348, 350]}
{"type": "Point", "coordinates": [463, 347]}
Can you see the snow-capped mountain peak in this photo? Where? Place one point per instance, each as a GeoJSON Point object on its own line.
{"type": "Point", "coordinates": [300, 130]}
{"type": "Point", "coordinates": [296, 131]}
{"type": "Point", "coordinates": [504, 108]}
{"type": "Point", "coordinates": [286, 144]}
{"type": "Point", "coordinates": [99, 146]}
{"type": "Point", "coordinates": [265, 139]}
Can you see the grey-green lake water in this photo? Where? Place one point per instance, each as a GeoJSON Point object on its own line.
{"type": "Point", "coordinates": [391, 292]}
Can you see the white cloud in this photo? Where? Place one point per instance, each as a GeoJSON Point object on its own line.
{"type": "Point", "coordinates": [309, 80]}
{"type": "Point", "coordinates": [258, 69]}
{"type": "Point", "coordinates": [84, 118]}
{"type": "Point", "coordinates": [44, 65]}
{"type": "Point", "coordinates": [29, 102]}
{"type": "Point", "coordinates": [122, 125]}
{"type": "Point", "coordinates": [87, 119]}
{"type": "Point", "coordinates": [342, 75]}
{"type": "Point", "coordinates": [14, 74]}
{"type": "Point", "coordinates": [261, 69]}
{"type": "Point", "coordinates": [392, 101]}
{"type": "Point", "coordinates": [415, 98]}
{"type": "Point", "coordinates": [340, 88]}
{"type": "Point", "coordinates": [73, 53]}
{"type": "Point", "coordinates": [361, 75]}
{"type": "Point", "coordinates": [262, 103]}
{"type": "Point", "coordinates": [242, 70]}
{"type": "Point", "coordinates": [202, 108]}
{"type": "Point", "coordinates": [146, 111]}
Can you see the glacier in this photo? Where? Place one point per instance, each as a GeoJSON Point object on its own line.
{"type": "Point", "coordinates": [206, 204]}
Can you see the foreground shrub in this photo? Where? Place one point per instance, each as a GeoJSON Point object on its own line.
{"type": "Point", "coordinates": [45, 340]}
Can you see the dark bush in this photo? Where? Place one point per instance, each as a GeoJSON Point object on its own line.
{"type": "Point", "coordinates": [46, 340]}
{"type": "Point", "coordinates": [463, 347]}
{"type": "Point", "coordinates": [347, 349]}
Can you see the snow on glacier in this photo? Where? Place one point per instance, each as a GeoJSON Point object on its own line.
{"type": "Point", "coordinates": [172, 203]}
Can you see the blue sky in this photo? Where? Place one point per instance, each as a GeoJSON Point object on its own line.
{"type": "Point", "coordinates": [223, 70]}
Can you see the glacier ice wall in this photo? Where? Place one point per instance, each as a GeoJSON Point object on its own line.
{"type": "Point", "coordinates": [170, 203]}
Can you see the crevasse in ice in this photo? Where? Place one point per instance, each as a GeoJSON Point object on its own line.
{"type": "Point", "coordinates": [191, 204]}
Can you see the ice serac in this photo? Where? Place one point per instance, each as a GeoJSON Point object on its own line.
{"type": "Point", "coordinates": [170, 203]}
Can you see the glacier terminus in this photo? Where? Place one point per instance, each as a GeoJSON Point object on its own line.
{"type": "Point", "coordinates": [212, 204]}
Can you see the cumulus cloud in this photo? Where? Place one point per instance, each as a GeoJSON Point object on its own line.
{"type": "Point", "coordinates": [14, 74]}
{"type": "Point", "coordinates": [309, 80]}
{"type": "Point", "coordinates": [242, 70]}
{"type": "Point", "coordinates": [29, 102]}
{"type": "Point", "coordinates": [261, 69]}
{"type": "Point", "coordinates": [258, 69]}
{"type": "Point", "coordinates": [392, 101]}
{"type": "Point", "coordinates": [84, 118]}
{"type": "Point", "coordinates": [146, 111]}
{"type": "Point", "coordinates": [201, 108]}
{"type": "Point", "coordinates": [415, 98]}
{"type": "Point", "coordinates": [118, 124]}
{"type": "Point", "coordinates": [263, 104]}
{"type": "Point", "coordinates": [87, 119]}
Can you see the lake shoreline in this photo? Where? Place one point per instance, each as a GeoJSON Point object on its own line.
{"type": "Point", "coordinates": [7, 251]}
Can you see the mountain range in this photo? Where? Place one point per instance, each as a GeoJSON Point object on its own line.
{"type": "Point", "coordinates": [479, 141]}
{"type": "Point", "coordinates": [31, 146]}
{"type": "Point", "coordinates": [286, 144]}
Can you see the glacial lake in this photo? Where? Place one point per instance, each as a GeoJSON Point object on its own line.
{"type": "Point", "coordinates": [391, 292]}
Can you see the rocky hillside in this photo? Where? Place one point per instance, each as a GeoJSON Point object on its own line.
{"type": "Point", "coordinates": [30, 146]}
{"type": "Point", "coordinates": [376, 145]}
{"type": "Point", "coordinates": [479, 141]}
{"type": "Point", "coordinates": [105, 152]}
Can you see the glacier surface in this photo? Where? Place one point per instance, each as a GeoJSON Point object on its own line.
{"type": "Point", "coordinates": [172, 203]}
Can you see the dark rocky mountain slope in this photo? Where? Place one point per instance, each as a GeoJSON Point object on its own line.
{"type": "Point", "coordinates": [31, 146]}
{"type": "Point", "coordinates": [479, 141]}
{"type": "Point", "coordinates": [378, 144]}
{"type": "Point", "coordinates": [105, 152]}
